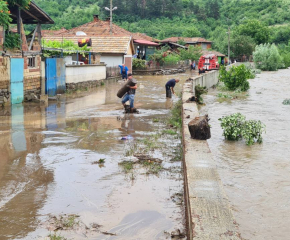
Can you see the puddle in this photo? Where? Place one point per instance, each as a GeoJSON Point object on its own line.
{"type": "Point", "coordinates": [48, 167]}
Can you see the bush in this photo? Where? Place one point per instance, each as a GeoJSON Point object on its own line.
{"type": "Point", "coordinates": [236, 77]}
{"type": "Point", "coordinates": [138, 64]}
{"type": "Point", "coordinates": [172, 58]}
{"type": "Point", "coordinates": [236, 127]}
{"type": "Point", "coordinates": [267, 57]}
{"type": "Point", "coordinates": [286, 101]}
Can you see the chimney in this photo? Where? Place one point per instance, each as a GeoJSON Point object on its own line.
{"type": "Point", "coordinates": [96, 18]}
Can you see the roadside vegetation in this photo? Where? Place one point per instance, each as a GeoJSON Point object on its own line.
{"type": "Point", "coordinates": [236, 127]}
{"type": "Point", "coordinates": [141, 153]}
{"type": "Point", "coordinates": [286, 101]}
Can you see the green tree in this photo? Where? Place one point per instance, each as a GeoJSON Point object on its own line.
{"type": "Point", "coordinates": [254, 29]}
{"type": "Point", "coordinates": [192, 53]}
{"type": "Point", "coordinates": [191, 32]}
{"type": "Point", "coordinates": [267, 57]}
{"type": "Point", "coordinates": [235, 77]}
{"type": "Point", "coordinates": [242, 45]}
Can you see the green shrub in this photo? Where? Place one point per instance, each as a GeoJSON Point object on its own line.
{"type": "Point", "coordinates": [267, 57]}
{"type": "Point", "coordinates": [172, 58]}
{"type": "Point", "coordinates": [236, 77]}
{"type": "Point", "coordinates": [286, 101]}
{"type": "Point", "coordinates": [235, 127]}
{"type": "Point", "coordinates": [138, 64]}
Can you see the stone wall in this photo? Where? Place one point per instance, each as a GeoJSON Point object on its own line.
{"type": "Point", "coordinates": [32, 79]}
{"type": "Point", "coordinates": [84, 85]}
{"type": "Point", "coordinates": [4, 79]}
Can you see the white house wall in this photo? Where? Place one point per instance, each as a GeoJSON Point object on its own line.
{"type": "Point", "coordinates": [112, 61]}
{"type": "Point", "coordinates": [84, 73]}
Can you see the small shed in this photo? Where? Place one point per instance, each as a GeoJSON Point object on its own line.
{"type": "Point", "coordinates": [22, 68]}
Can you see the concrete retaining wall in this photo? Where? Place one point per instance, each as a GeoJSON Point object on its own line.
{"type": "Point", "coordinates": [83, 73]}
{"type": "Point", "coordinates": [209, 216]}
{"type": "Point", "coordinates": [207, 80]}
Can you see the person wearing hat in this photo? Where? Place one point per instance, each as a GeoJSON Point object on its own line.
{"type": "Point", "coordinates": [169, 86]}
{"type": "Point", "coordinates": [130, 95]}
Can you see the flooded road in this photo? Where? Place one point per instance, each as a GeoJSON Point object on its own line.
{"type": "Point", "coordinates": [256, 178]}
{"type": "Point", "coordinates": [64, 160]}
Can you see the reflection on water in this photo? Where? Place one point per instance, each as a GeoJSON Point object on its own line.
{"type": "Point", "coordinates": [18, 135]}
{"type": "Point", "coordinates": [256, 178]}
{"type": "Point", "coordinates": [46, 165]}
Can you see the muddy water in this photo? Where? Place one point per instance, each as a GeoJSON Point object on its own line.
{"type": "Point", "coordinates": [46, 156]}
{"type": "Point", "coordinates": [256, 178]}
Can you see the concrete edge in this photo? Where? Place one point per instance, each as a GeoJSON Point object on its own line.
{"type": "Point", "coordinates": [208, 213]}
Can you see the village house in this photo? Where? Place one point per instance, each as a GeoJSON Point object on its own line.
{"type": "Point", "coordinates": [174, 42]}
{"type": "Point", "coordinates": [114, 49]}
{"type": "Point", "coordinates": [20, 70]}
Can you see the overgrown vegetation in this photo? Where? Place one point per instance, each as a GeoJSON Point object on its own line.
{"type": "Point", "coordinates": [267, 57]}
{"type": "Point", "coordinates": [236, 77]}
{"type": "Point", "coordinates": [138, 64]}
{"type": "Point", "coordinates": [199, 90]}
{"type": "Point", "coordinates": [68, 47]}
{"type": "Point", "coordinates": [56, 236]}
{"type": "Point", "coordinates": [175, 120]}
{"type": "Point", "coordinates": [236, 127]}
{"type": "Point", "coordinates": [286, 101]}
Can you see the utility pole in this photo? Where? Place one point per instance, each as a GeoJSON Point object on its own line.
{"type": "Point", "coordinates": [229, 33]}
{"type": "Point", "coordinates": [111, 9]}
{"type": "Point", "coordinates": [229, 49]}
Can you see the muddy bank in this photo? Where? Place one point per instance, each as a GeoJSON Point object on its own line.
{"type": "Point", "coordinates": [48, 167]}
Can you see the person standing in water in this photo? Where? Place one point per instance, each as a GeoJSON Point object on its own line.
{"type": "Point", "coordinates": [130, 95]}
{"type": "Point", "coordinates": [169, 86]}
{"type": "Point", "coordinates": [124, 71]}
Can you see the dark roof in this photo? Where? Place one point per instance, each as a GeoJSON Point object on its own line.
{"type": "Point", "coordinates": [32, 15]}
{"type": "Point", "coordinates": [186, 39]}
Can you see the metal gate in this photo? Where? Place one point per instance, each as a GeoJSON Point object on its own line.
{"type": "Point", "coordinates": [54, 76]}
{"type": "Point", "coordinates": [17, 76]}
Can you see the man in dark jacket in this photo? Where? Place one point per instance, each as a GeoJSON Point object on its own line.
{"type": "Point", "coordinates": [169, 86]}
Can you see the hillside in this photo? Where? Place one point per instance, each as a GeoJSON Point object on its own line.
{"type": "Point", "coordinates": [188, 18]}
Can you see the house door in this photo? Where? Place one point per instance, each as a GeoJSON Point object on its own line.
{"type": "Point", "coordinates": [17, 76]}
{"type": "Point", "coordinates": [54, 76]}
{"type": "Point", "coordinates": [128, 62]}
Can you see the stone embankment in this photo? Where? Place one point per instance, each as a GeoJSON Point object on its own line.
{"type": "Point", "coordinates": [209, 216]}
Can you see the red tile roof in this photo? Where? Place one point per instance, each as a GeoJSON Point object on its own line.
{"type": "Point", "coordinates": [97, 28]}
{"type": "Point", "coordinates": [145, 42]}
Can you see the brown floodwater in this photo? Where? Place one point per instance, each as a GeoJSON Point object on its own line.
{"type": "Point", "coordinates": [256, 178]}
{"type": "Point", "coordinates": [46, 166]}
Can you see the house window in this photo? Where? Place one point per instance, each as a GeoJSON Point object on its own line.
{"type": "Point", "coordinates": [204, 45]}
{"type": "Point", "coordinates": [31, 62]}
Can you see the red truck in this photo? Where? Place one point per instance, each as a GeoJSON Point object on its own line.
{"type": "Point", "coordinates": [209, 62]}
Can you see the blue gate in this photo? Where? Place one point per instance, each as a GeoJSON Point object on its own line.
{"type": "Point", "coordinates": [17, 76]}
{"type": "Point", "coordinates": [54, 76]}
